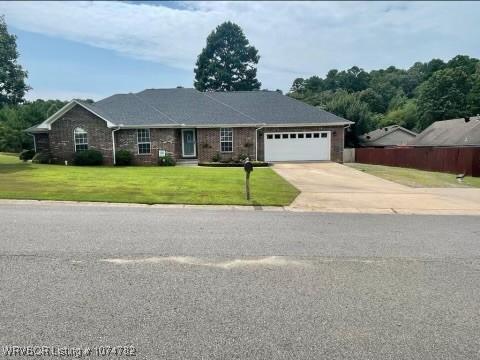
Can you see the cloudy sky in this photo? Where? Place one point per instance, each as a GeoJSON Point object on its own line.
{"type": "Point", "coordinates": [95, 49]}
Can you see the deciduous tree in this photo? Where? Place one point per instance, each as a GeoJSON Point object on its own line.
{"type": "Point", "coordinates": [12, 75]}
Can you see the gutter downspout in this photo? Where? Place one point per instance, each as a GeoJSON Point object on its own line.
{"type": "Point", "coordinates": [256, 141]}
{"type": "Point", "coordinates": [113, 145]}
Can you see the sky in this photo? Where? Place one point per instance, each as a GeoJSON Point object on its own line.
{"type": "Point", "coordinates": [95, 49]}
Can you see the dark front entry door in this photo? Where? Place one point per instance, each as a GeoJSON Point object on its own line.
{"type": "Point", "coordinates": [189, 148]}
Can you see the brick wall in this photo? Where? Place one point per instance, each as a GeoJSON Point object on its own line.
{"type": "Point", "coordinates": [62, 146]}
{"type": "Point", "coordinates": [208, 144]}
{"type": "Point", "coordinates": [165, 139]}
{"type": "Point", "coordinates": [337, 139]}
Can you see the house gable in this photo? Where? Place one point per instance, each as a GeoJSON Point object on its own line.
{"type": "Point", "coordinates": [61, 134]}
{"type": "Point", "coordinates": [47, 124]}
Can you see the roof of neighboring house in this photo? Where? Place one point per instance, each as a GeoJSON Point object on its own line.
{"type": "Point", "coordinates": [189, 107]}
{"type": "Point", "coordinates": [454, 132]}
{"type": "Point", "coordinates": [379, 133]}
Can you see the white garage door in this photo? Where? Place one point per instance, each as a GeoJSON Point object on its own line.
{"type": "Point", "coordinates": [291, 146]}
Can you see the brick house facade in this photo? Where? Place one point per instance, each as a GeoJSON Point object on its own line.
{"type": "Point", "coordinates": [61, 140]}
{"type": "Point", "coordinates": [208, 141]}
{"type": "Point", "coordinates": [116, 123]}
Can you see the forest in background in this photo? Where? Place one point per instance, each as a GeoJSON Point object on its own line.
{"type": "Point", "coordinates": [413, 98]}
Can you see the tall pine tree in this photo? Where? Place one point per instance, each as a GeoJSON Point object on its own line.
{"type": "Point", "coordinates": [228, 62]}
{"type": "Point", "coordinates": [12, 76]}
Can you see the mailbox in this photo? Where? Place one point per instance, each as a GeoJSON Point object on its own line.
{"type": "Point", "coordinates": [248, 166]}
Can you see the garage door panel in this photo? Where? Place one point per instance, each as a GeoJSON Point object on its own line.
{"type": "Point", "coordinates": [296, 146]}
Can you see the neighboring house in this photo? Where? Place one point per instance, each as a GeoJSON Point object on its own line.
{"type": "Point", "coordinates": [264, 125]}
{"type": "Point", "coordinates": [455, 132]}
{"type": "Point", "coordinates": [388, 136]}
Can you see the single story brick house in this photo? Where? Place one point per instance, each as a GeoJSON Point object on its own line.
{"type": "Point", "coordinates": [264, 125]}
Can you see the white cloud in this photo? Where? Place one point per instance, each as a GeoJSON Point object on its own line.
{"type": "Point", "coordinates": [293, 38]}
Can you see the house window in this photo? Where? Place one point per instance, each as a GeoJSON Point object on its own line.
{"type": "Point", "coordinates": [277, 136]}
{"type": "Point", "coordinates": [316, 135]}
{"type": "Point", "coordinates": [300, 136]}
{"type": "Point", "coordinates": [226, 139]}
{"type": "Point", "coordinates": [284, 136]}
{"type": "Point", "coordinates": [308, 136]}
{"type": "Point", "coordinates": [81, 139]}
{"type": "Point", "coordinates": [269, 136]}
{"type": "Point", "coordinates": [293, 136]}
{"type": "Point", "coordinates": [324, 135]}
{"type": "Point", "coordinates": [143, 141]}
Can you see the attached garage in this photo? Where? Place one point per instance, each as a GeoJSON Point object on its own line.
{"type": "Point", "coordinates": [297, 146]}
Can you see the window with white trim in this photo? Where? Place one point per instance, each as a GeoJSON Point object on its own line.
{"type": "Point", "coordinates": [143, 141]}
{"type": "Point", "coordinates": [81, 139]}
{"type": "Point", "coordinates": [226, 139]}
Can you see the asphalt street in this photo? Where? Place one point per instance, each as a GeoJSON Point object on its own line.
{"type": "Point", "coordinates": [216, 284]}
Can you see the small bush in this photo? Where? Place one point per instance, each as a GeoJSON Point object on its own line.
{"type": "Point", "coordinates": [27, 155]}
{"type": "Point", "coordinates": [123, 157]}
{"type": "Point", "coordinates": [216, 157]}
{"type": "Point", "coordinates": [88, 158]}
{"type": "Point", "coordinates": [227, 160]}
{"type": "Point", "coordinates": [168, 160]}
{"type": "Point", "coordinates": [41, 158]}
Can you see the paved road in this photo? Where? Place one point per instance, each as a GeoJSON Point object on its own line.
{"type": "Point", "coordinates": [201, 284]}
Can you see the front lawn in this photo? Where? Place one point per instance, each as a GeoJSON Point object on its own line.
{"type": "Point", "coordinates": [136, 184]}
{"type": "Point", "coordinates": [416, 178]}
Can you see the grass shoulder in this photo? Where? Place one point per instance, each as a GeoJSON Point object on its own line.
{"type": "Point", "coordinates": [416, 178]}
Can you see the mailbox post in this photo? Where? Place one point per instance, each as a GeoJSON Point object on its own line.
{"type": "Point", "coordinates": [248, 167]}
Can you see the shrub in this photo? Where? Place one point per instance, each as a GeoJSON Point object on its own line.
{"type": "Point", "coordinates": [168, 160]}
{"type": "Point", "coordinates": [227, 160]}
{"type": "Point", "coordinates": [27, 155]}
{"type": "Point", "coordinates": [216, 157]}
{"type": "Point", "coordinates": [41, 158]}
{"type": "Point", "coordinates": [88, 157]}
{"type": "Point", "coordinates": [123, 157]}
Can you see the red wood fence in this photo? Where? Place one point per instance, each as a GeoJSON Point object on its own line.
{"type": "Point", "coordinates": [457, 160]}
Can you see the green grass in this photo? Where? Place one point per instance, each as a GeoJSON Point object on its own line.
{"type": "Point", "coordinates": [136, 184]}
{"type": "Point", "coordinates": [417, 178]}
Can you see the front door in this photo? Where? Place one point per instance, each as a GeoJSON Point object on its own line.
{"type": "Point", "coordinates": [189, 148]}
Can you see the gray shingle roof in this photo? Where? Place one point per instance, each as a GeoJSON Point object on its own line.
{"type": "Point", "coordinates": [271, 107]}
{"type": "Point", "coordinates": [378, 133]}
{"type": "Point", "coordinates": [190, 107]}
{"type": "Point", "coordinates": [129, 109]}
{"type": "Point", "coordinates": [455, 132]}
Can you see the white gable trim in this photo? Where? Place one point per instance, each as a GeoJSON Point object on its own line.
{"type": "Point", "coordinates": [48, 122]}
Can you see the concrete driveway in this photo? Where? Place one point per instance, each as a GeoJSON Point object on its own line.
{"type": "Point", "coordinates": [337, 188]}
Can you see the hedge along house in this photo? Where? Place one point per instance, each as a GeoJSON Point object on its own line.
{"type": "Point", "coordinates": [189, 124]}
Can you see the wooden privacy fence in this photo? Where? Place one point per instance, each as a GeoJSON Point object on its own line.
{"type": "Point", "coordinates": [457, 160]}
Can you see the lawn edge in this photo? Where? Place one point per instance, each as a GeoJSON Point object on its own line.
{"type": "Point", "coordinates": [145, 205]}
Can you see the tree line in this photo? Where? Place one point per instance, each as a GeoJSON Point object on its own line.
{"type": "Point", "coordinates": [413, 98]}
